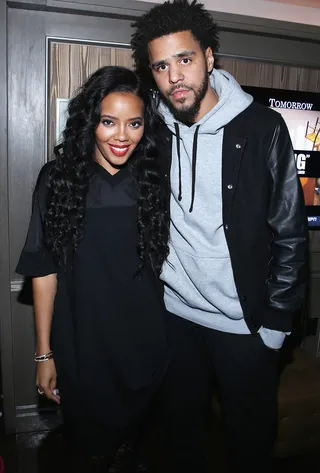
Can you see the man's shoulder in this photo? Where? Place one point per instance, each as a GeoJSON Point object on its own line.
{"type": "Point", "coordinates": [261, 113]}
{"type": "Point", "coordinates": [255, 120]}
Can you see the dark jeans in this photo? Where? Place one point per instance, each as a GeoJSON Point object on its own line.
{"type": "Point", "coordinates": [246, 373]}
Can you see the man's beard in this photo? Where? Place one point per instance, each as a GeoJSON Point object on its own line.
{"type": "Point", "coordinates": [188, 114]}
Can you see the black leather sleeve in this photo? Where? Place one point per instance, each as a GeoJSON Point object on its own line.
{"type": "Point", "coordinates": [288, 224]}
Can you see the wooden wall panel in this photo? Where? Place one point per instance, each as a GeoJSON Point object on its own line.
{"type": "Point", "coordinates": [276, 76]}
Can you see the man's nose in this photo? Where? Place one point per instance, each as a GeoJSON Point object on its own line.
{"type": "Point", "coordinates": [175, 75]}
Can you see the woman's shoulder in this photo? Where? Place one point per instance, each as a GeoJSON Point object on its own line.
{"type": "Point", "coordinates": [46, 169]}
{"type": "Point", "coordinates": [42, 184]}
{"type": "Point", "coordinates": [44, 173]}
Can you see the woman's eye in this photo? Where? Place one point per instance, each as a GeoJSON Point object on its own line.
{"type": "Point", "coordinates": [136, 124]}
{"type": "Point", "coordinates": [107, 122]}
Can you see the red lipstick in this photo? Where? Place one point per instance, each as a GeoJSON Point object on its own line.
{"type": "Point", "coordinates": [119, 151]}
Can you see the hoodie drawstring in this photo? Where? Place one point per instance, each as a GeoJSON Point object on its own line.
{"type": "Point", "coordinates": [179, 159]}
{"type": "Point", "coordinates": [194, 162]}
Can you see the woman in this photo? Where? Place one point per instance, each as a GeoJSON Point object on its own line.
{"type": "Point", "coordinates": [95, 246]}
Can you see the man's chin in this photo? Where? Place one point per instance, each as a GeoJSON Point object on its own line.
{"type": "Point", "coordinates": [180, 103]}
{"type": "Point", "coordinates": [183, 112]}
{"type": "Point", "coordinates": [185, 115]}
{"type": "Point", "coordinates": [181, 107]}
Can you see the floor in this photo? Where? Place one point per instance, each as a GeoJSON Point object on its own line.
{"type": "Point", "coordinates": [42, 453]}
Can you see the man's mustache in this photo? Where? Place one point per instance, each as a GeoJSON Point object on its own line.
{"type": "Point", "coordinates": [177, 87]}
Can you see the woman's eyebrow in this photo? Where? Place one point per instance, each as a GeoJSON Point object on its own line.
{"type": "Point", "coordinates": [108, 116]}
{"type": "Point", "coordinates": [116, 118]}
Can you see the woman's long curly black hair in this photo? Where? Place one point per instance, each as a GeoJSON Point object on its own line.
{"type": "Point", "coordinates": [73, 167]}
{"type": "Point", "coordinates": [167, 18]}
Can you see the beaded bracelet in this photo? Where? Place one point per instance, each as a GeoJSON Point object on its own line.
{"type": "Point", "coordinates": [40, 358]}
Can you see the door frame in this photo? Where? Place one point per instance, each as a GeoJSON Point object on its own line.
{"type": "Point", "coordinates": [6, 367]}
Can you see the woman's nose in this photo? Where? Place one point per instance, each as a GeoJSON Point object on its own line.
{"type": "Point", "coordinates": [121, 134]}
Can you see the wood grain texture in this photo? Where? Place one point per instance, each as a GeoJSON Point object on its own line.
{"type": "Point", "coordinates": [276, 76]}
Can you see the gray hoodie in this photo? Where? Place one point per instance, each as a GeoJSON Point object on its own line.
{"type": "Point", "coordinates": [198, 277]}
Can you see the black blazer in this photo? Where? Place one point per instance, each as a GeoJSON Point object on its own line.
{"type": "Point", "coordinates": [263, 214]}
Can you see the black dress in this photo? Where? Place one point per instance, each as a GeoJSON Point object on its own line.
{"type": "Point", "coordinates": [108, 335]}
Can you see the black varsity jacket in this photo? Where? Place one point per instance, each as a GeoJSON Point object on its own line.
{"type": "Point", "coordinates": [263, 215]}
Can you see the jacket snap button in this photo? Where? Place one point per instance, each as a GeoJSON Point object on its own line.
{"type": "Point", "coordinates": [166, 175]}
{"type": "Point", "coordinates": [230, 186]}
{"type": "Point", "coordinates": [238, 146]}
{"type": "Point", "coordinates": [226, 227]}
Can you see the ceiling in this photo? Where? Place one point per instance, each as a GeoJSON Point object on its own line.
{"type": "Point", "coordinates": [296, 11]}
{"type": "Point", "coordinates": [301, 3]}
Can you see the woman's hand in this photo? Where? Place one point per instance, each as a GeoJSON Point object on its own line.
{"type": "Point", "coordinates": [46, 379]}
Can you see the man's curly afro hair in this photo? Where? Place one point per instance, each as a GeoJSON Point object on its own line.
{"type": "Point", "coordinates": [171, 17]}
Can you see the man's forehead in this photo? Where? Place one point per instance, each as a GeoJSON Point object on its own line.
{"type": "Point", "coordinates": [172, 45]}
{"type": "Point", "coordinates": [177, 36]}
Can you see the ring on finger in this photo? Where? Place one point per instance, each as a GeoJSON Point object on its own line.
{"type": "Point", "coordinates": [40, 392]}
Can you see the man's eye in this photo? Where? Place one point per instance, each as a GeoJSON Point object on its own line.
{"type": "Point", "coordinates": [162, 67]}
{"type": "Point", "coordinates": [185, 60]}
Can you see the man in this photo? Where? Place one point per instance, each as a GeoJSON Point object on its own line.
{"type": "Point", "coordinates": [236, 270]}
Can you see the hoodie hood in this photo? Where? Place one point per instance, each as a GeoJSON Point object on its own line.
{"type": "Point", "coordinates": [232, 101]}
